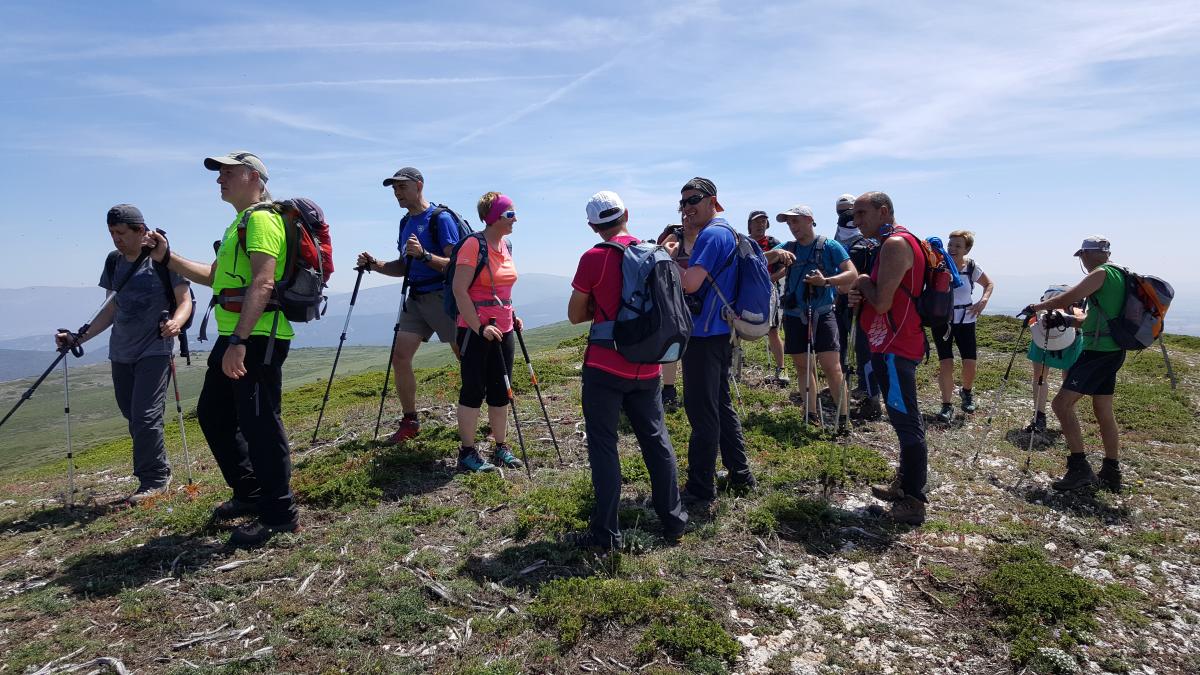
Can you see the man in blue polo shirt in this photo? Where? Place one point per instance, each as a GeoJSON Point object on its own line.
{"type": "Point", "coordinates": [427, 234]}
{"type": "Point", "coordinates": [706, 362]}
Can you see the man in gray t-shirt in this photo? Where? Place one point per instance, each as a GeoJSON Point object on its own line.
{"type": "Point", "coordinates": [141, 344]}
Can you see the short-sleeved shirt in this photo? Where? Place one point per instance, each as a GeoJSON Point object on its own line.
{"type": "Point", "coordinates": [264, 234]}
{"type": "Point", "coordinates": [599, 275]}
{"type": "Point", "coordinates": [422, 277]}
{"type": "Point", "coordinates": [1111, 299]}
{"type": "Point", "coordinates": [963, 294]}
{"type": "Point", "coordinates": [494, 283]}
{"type": "Point", "coordinates": [829, 262]}
{"type": "Point", "coordinates": [714, 252]}
{"type": "Point", "coordinates": [139, 307]}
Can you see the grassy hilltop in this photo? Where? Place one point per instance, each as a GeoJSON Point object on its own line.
{"type": "Point", "coordinates": [404, 566]}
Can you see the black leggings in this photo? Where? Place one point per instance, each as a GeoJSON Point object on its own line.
{"type": "Point", "coordinates": [961, 334]}
{"type": "Point", "coordinates": [481, 371]}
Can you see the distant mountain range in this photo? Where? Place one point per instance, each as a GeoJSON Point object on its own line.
{"type": "Point", "coordinates": [32, 315]}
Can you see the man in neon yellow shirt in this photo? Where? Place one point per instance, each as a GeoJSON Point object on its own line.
{"type": "Point", "coordinates": [1094, 373]}
{"type": "Point", "coordinates": [238, 408]}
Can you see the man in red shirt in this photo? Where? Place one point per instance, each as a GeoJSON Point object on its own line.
{"type": "Point", "coordinates": [612, 384]}
{"type": "Point", "coordinates": [889, 320]}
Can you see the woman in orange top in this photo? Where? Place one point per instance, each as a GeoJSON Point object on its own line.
{"type": "Point", "coordinates": [485, 332]}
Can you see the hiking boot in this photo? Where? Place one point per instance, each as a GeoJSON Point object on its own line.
{"type": "Point", "coordinates": [1079, 474]}
{"type": "Point", "coordinates": [968, 401]}
{"type": "Point", "coordinates": [502, 456]}
{"type": "Point", "coordinates": [892, 492]}
{"type": "Point", "coordinates": [1110, 475]}
{"type": "Point", "coordinates": [589, 541]}
{"type": "Point", "coordinates": [869, 410]}
{"type": "Point", "coordinates": [409, 428]}
{"type": "Point", "coordinates": [946, 414]}
{"type": "Point", "coordinates": [147, 494]}
{"type": "Point", "coordinates": [1038, 425]}
{"type": "Point", "coordinates": [907, 511]}
{"type": "Point", "coordinates": [234, 508]}
{"type": "Point", "coordinates": [843, 425]}
{"type": "Point", "coordinates": [781, 377]}
{"type": "Point", "coordinates": [670, 399]}
{"type": "Point", "coordinates": [815, 419]}
{"type": "Point", "coordinates": [469, 461]}
{"type": "Point", "coordinates": [692, 500]}
{"type": "Point", "coordinates": [741, 485]}
{"type": "Point", "coordinates": [257, 533]}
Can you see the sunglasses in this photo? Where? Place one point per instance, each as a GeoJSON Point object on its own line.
{"type": "Point", "coordinates": [692, 201]}
{"type": "Point", "coordinates": [509, 214]}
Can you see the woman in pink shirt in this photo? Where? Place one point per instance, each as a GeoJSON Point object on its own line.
{"type": "Point", "coordinates": [485, 331]}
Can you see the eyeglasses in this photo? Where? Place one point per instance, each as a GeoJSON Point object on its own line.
{"type": "Point", "coordinates": [509, 214]}
{"type": "Point", "coordinates": [692, 201]}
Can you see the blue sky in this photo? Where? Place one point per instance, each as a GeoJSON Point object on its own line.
{"type": "Point", "coordinates": [1032, 123]}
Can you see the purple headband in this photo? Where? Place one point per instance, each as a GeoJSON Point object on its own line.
{"type": "Point", "coordinates": [499, 206]}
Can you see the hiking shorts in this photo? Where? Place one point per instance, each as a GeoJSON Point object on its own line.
{"type": "Point", "coordinates": [1094, 373]}
{"type": "Point", "coordinates": [961, 334]}
{"type": "Point", "coordinates": [424, 315]}
{"type": "Point", "coordinates": [825, 334]}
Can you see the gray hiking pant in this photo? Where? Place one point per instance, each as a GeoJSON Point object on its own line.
{"type": "Point", "coordinates": [141, 391]}
{"type": "Point", "coordinates": [604, 397]}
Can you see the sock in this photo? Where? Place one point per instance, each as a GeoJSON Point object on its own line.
{"type": "Point", "coordinates": [1113, 463]}
{"type": "Point", "coordinates": [410, 416]}
{"type": "Point", "coordinates": [668, 388]}
{"type": "Point", "coordinates": [966, 392]}
{"type": "Point", "coordinates": [464, 450]}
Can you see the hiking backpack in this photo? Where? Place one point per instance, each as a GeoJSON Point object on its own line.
{"type": "Point", "coordinates": [653, 322]}
{"type": "Point", "coordinates": [935, 301]}
{"type": "Point", "coordinates": [308, 263]}
{"type": "Point", "coordinates": [1140, 321]}
{"type": "Point", "coordinates": [464, 227]}
{"type": "Point", "coordinates": [164, 277]}
{"type": "Point", "coordinates": [449, 304]}
{"type": "Point", "coordinates": [749, 312]}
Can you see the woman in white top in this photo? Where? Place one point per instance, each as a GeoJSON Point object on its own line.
{"type": "Point", "coordinates": [961, 329]}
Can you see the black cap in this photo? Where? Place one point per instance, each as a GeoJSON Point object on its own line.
{"type": "Point", "coordinates": [702, 185]}
{"type": "Point", "coordinates": [407, 173]}
{"type": "Point", "coordinates": [756, 214]}
{"type": "Point", "coordinates": [125, 214]}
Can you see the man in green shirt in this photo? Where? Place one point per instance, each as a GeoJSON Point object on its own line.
{"type": "Point", "coordinates": [1094, 373]}
{"type": "Point", "coordinates": [238, 408]}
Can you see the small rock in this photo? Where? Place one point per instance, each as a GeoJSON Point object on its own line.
{"type": "Point", "coordinates": [1051, 546]}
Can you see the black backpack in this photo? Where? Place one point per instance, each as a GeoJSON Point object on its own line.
{"type": "Point", "coordinates": [449, 304]}
{"type": "Point", "coordinates": [164, 277]}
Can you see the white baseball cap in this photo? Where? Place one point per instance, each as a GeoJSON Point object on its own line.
{"type": "Point", "coordinates": [797, 210]}
{"type": "Point", "coordinates": [604, 207]}
{"type": "Point", "coordinates": [846, 200]}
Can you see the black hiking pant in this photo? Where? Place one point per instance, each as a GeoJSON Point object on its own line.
{"type": "Point", "coordinates": [897, 378]}
{"type": "Point", "coordinates": [604, 397]}
{"type": "Point", "coordinates": [710, 411]}
{"type": "Point", "coordinates": [240, 420]}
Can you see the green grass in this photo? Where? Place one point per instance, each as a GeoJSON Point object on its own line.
{"type": "Point", "coordinates": [555, 508]}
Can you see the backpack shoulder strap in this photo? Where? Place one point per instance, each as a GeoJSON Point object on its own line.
{"type": "Point", "coordinates": [164, 277]}
{"type": "Point", "coordinates": [110, 267]}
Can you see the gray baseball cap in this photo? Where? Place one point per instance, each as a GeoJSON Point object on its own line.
{"type": "Point", "coordinates": [797, 210]}
{"type": "Point", "coordinates": [125, 214]}
{"type": "Point", "coordinates": [235, 158]}
{"type": "Point", "coordinates": [407, 173]}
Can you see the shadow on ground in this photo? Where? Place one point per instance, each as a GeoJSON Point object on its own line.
{"type": "Point", "coordinates": [109, 572]}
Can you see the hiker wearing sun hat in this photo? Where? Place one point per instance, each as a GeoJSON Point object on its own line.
{"type": "Point", "coordinates": [1094, 373]}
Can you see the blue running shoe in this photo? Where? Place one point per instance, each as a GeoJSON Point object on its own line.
{"type": "Point", "coordinates": [471, 462]}
{"type": "Point", "coordinates": [502, 455]}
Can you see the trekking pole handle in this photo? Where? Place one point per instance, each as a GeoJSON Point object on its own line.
{"type": "Point", "coordinates": [75, 346]}
{"type": "Point", "coordinates": [360, 269]}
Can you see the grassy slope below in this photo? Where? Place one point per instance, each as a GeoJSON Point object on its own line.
{"type": "Point", "coordinates": [406, 567]}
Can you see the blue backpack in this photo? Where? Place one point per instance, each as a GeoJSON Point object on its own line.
{"type": "Point", "coordinates": [653, 323]}
{"type": "Point", "coordinates": [449, 304]}
{"type": "Point", "coordinates": [749, 311]}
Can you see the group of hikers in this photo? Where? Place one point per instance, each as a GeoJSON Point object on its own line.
{"type": "Point", "coordinates": [852, 296]}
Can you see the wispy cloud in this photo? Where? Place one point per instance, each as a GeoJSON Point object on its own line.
{"type": "Point", "coordinates": [292, 120]}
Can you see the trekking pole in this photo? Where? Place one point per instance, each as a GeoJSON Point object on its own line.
{"type": "Point", "coordinates": [70, 448]}
{"type": "Point", "coordinates": [737, 389]}
{"type": "Point", "coordinates": [77, 349]}
{"type": "Point", "coordinates": [1000, 391]}
{"type": "Point", "coordinates": [538, 389]}
{"type": "Point", "coordinates": [187, 457]}
{"type": "Point", "coordinates": [1040, 383]}
{"type": "Point", "coordinates": [1167, 360]}
{"type": "Point", "coordinates": [338, 354]}
{"type": "Point", "coordinates": [512, 403]}
{"type": "Point", "coordinates": [387, 371]}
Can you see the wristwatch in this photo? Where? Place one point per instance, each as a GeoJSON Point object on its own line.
{"type": "Point", "coordinates": [426, 256]}
{"type": "Point", "coordinates": [235, 340]}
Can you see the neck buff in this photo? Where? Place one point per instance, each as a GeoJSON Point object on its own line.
{"type": "Point", "coordinates": [846, 231]}
{"type": "Point", "coordinates": [499, 206]}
